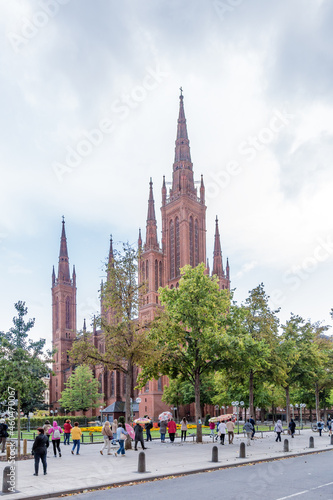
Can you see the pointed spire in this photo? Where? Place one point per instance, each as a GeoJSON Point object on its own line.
{"type": "Point", "coordinates": [74, 276]}
{"type": "Point", "coordinates": [202, 191]}
{"type": "Point", "coordinates": [228, 269]}
{"type": "Point", "coordinates": [63, 266]}
{"type": "Point", "coordinates": [182, 163]}
{"type": "Point", "coordinates": [217, 261]}
{"type": "Point", "coordinates": [84, 325]}
{"type": "Point", "coordinates": [151, 226]}
{"type": "Point", "coordinates": [53, 277]}
{"type": "Point", "coordinates": [164, 192]}
{"type": "Point", "coordinates": [111, 255]}
{"type": "Point", "coordinates": [207, 266]}
{"type": "Point", "coordinates": [140, 239]}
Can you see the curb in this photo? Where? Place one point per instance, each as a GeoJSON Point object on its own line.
{"type": "Point", "coordinates": [176, 474]}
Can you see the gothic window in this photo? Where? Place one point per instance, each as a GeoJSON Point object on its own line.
{"type": "Point", "coordinates": [156, 275]}
{"type": "Point", "coordinates": [191, 241]}
{"type": "Point", "coordinates": [57, 313]}
{"type": "Point", "coordinates": [160, 273]}
{"type": "Point", "coordinates": [147, 271]}
{"type": "Point", "coordinates": [68, 312]}
{"type": "Point", "coordinates": [159, 384]}
{"type": "Point", "coordinates": [147, 387]}
{"type": "Point", "coordinates": [196, 242]}
{"type": "Point", "coordinates": [172, 250]}
{"type": "Point", "coordinates": [100, 384]}
{"type": "Point", "coordinates": [112, 384]}
{"type": "Point", "coordinates": [143, 270]}
{"type": "Point", "coordinates": [177, 249]}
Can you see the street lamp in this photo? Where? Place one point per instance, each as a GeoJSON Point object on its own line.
{"type": "Point", "coordinates": [302, 405]}
{"type": "Point", "coordinates": [237, 404]}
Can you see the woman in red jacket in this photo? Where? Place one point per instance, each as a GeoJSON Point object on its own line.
{"type": "Point", "coordinates": [172, 428]}
{"type": "Point", "coordinates": [67, 431]}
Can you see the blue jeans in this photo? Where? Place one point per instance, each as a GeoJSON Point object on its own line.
{"type": "Point", "coordinates": [162, 436]}
{"type": "Point", "coordinates": [67, 436]}
{"type": "Point", "coordinates": [76, 443]}
{"type": "Point", "coordinates": [121, 447]}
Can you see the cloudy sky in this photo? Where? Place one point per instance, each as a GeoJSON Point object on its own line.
{"type": "Point", "coordinates": [89, 104]}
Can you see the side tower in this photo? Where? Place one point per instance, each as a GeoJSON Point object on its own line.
{"type": "Point", "coordinates": [224, 277]}
{"type": "Point", "coordinates": [183, 212]}
{"type": "Point", "coordinates": [63, 321]}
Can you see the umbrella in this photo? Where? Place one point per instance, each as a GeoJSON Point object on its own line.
{"type": "Point", "coordinates": [221, 418]}
{"type": "Point", "coordinates": [142, 420]}
{"type": "Point", "coordinates": [165, 415]}
{"type": "Point", "coordinates": [130, 430]}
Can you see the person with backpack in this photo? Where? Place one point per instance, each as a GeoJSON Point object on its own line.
{"type": "Point", "coordinates": [39, 450]}
{"type": "Point", "coordinates": [292, 427]}
{"type": "Point", "coordinates": [148, 426]}
{"type": "Point", "coordinates": [55, 431]}
{"type": "Point", "coordinates": [320, 426]}
{"type": "Point", "coordinates": [3, 434]}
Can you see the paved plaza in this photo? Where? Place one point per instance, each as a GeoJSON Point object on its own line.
{"type": "Point", "coordinates": [92, 470]}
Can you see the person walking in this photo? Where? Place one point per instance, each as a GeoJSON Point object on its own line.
{"type": "Point", "coordinates": [47, 426]}
{"type": "Point", "coordinates": [3, 434]}
{"type": "Point", "coordinates": [114, 427]}
{"type": "Point", "coordinates": [212, 427]}
{"type": "Point", "coordinates": [172, 429]}
{"type": "Point", "coordinates": [39, 450]}
{"type": "Point", "coordinates": [278, 429]}
{"type": "Point", "coordinates": [329, 425]}
{"type": "Point", "coordinates": [138, 437]}
{"type": "Point", "coordinates": [67, 431]}
{"type": "Point", "coordinates": [55, 432]}
{"type": "Point", "coordinates": [163, 428]}
{"type": "Point", "coordinates": [248, 428]}
{"type": "Point", "coordinates": [107, 435]}
{"type": "Point", "coordinates": [320, 426]}
{"type": "Point", "coordinates": [148, 426]}
{"type": "Point", "coordinates": [222, 431]}
{"type": "Point", "coordinates": [183, 429]}
{"type": "Point", "coordinates": [231, 429]}
{"type": "Point", "coordinates": [292, 427]}
{"type": "Point", "coordinates": [121, 436]}
{"type": "Point", "coordinates": [76, 437]}
{"type": "Point", "coordinates": [252, 422]}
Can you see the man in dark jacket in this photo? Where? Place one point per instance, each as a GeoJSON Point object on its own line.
{"type": "Point", "coordinates": [252, 422]}
{"type": "Point", "coordinates": [148, 426]}
{"type": "Point", "coordinates": [3, 434]}
{"type": "Point", "coordinates": [39, 450]}
{"type": "Point", "coordinates": [292, 427]}
{"type": "Point", "coordinates": [138, 437]}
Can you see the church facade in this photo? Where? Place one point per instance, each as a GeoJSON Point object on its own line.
{"type": "Point", "coordinates": [183, 242]}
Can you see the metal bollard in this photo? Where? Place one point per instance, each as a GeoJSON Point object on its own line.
{"type": "Point", "coordinates": [25, 445]}
{"type": "Point", "coordinates": [286, 445]}
{"type": "Point", "coordinates": [242, 450]}
{"type": "Point", "coordinates": [6, 486]}
{"type": "Point", "coordinates": [215, 454]}
{"type": "Point", "coordinates": [142, 462]}
{"type": "Point", "coordinates": [332, 439]}
{"type": "Point", "coordinates": [311, 442]}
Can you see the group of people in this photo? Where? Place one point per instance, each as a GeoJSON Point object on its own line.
{"type": "Point", "coordinates": [41, 443]}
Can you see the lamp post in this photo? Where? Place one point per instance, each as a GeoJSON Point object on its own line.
{"type": "Point", "coordinates": [237, 404]}
{"type": "Point", "coordinates": [216, 407]}
{"type": "Point", "coordinates": [292, 408]}
{"type": "Point", "coordinates": [296, 406]}
{"type": "Point", "coordinates": [302, 405]}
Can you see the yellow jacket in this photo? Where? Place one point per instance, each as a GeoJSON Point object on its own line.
{"type": "Point", "coordinates": [76, 432]}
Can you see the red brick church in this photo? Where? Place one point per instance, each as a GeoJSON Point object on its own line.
{"type": "Point", "coordinates": [183, 242]}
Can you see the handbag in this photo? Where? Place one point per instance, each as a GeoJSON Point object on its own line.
{"type": "Point", "coordinates": [123, 436]}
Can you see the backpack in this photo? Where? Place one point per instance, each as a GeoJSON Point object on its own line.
{"type": "Point", "coordinates": [56, 434]}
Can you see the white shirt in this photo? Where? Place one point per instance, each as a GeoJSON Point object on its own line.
{"type": "Point", "coordinates": [222, 428]}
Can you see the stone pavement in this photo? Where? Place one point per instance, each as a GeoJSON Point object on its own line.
{"type": "Point", "coordinates": [91, 470]}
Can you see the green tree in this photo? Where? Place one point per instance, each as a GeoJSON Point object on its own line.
{"type": "Point", "coordinates": [189, 336]}
{"type": "Point", "coordinates": [179, 392]}
{"type": "Point", "coordinates": [125, 339]}
{"type": "Point", "coordinates": [82, 391]}
{"type": "Point", "coordinates": [23, 363]}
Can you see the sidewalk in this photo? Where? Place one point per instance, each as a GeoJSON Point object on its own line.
{"type": "Point", "coordinates": [91, 470]}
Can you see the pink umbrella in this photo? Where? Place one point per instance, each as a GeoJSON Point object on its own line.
{"type": "Point", "coordinates": [130, 430]}
{"type": "Point", "coordinates": [142, 420]}
{"type": "Point", "coordinates": [166, 415]}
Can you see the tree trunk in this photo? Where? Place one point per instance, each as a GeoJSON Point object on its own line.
{"type": "Point", "coordinates": [128, 404]}
{"type": "Point", "coordinates": [262, 415]}
{"type": "Point", "coordinates": [198, 407]}
{"type": "Point", "coordinates": [317, 402]}
{"type": "Point", "coordinates": [18, 423]}
{"type": "Point", "coordinates": [287, 404]}
{"type": "Point", "coordinates": [251, 405]}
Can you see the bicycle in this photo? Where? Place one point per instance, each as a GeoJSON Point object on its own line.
{"type": "Point", "coordinates": [314, 428]}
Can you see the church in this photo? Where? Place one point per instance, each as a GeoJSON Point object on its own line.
{"type": "Point", "coordinates": [183, 242]}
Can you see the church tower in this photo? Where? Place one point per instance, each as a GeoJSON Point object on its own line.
{"type": "Point", "coordinates": [63, 321]}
